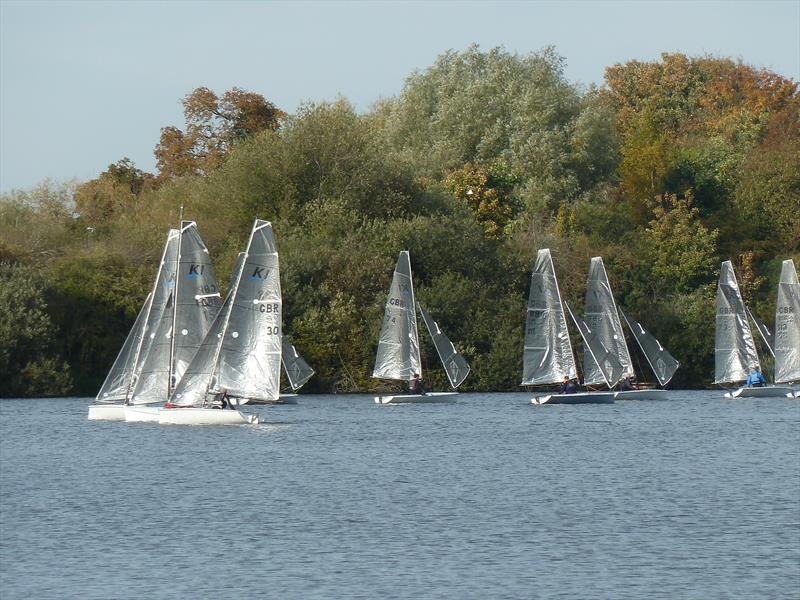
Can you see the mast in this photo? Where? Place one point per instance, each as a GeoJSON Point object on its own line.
{"type": "Point", "coordinates": [170, 383]}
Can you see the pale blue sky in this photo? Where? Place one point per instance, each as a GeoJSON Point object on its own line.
{"type": "Point", "coordinates": [83, 84]}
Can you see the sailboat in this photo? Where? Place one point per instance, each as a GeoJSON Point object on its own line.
{"type": "Point", "coordinates": [115, 393]}
{"type": "Point", "coordinates": [787, 328]}
{"type": "Point", "coordinates": [241, 354]}
{"type": "Point", "coordinates": [398, 355]}
{"type": "Point", "coordinates": [734, 348]}
{"type": "Point", "coordinates": [547, 355]}
{"type": "Point", "coordinates": [184, 322]}
{"type": "Point", "coordinates": [602, 315]}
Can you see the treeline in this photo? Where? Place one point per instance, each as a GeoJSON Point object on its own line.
{"type": "Point", "coordinates": [667, 169]}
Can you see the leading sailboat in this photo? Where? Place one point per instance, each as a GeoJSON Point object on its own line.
{"type": "Point", "coordinates": [240, 357]}
{"type": "Point", "coordinates": [547, 355]}
{"type": "Point", "coordinates": [734, 348]}
{"type": "Point", "coordinates": [398, 355]}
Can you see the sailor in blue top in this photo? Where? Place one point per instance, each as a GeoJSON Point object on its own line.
{"type": "Point", "coordinates": [756, 379]}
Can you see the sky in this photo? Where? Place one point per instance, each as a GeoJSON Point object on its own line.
{"type": "Point", "coordinates": [84, 84]}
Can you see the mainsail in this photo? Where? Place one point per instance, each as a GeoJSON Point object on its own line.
{"type": "Point", "coordinates": [117, 385]}
{"type": "Point", "coordinates": [661, 361]}
{"type": "Point", "coordinates": [787, 326]}
{"type": "Point", "coordinates": [547, 355]}
{"type": "Point", "coordinates": [398, 349]}
{"type": "Point", "coordinates": [192, 303]}
{"type": "Point", "coordinates": [296, 369]}
{"type": "Point", "coordinates": [454, 364]}
{"type": "Point", "coordinates": [602, 318]}
{"type": "Point", "coordinates": [605, 358]}
{"type": "Point", "coordinates": [734, 349]}
{"type": "Point", "coordinates": [242, 351]}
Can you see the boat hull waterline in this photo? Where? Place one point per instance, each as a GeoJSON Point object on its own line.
{"type": "Point", "coordinates": [654, 394]}
{"type": "Point", "coordinates": [582, 398]}
{"type": "Point", "coordinates": [205, 416]}
{"type": "Point", "coordinates": [426, 398]}
{"type": "Point", "coordinates": [142, 414]}
{"type": "Point", "coordinates": [107, 412]}
{"type": "Point", "coordinates": [770, 391]}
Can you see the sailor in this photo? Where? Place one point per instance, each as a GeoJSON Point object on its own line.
{"type": "Point", "coordinates": [626, 385]}
{"type": "Point", "coordinates": [756, 379]}
{"type": "Point", "coordinates": [415, 385]}
{"type": "Point", "coordinates": [568, 387]}
{"type": "Point", "coordinates": [221, 399]}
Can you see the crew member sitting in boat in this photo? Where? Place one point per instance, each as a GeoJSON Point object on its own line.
{"type": "Point", "coordinates": [415, 385]}
{"type": "Point", "coordinates": [221, 400]}
{"type": "Point", "coordinates": [568, 387]}
{"type": "Point", "coordinates": [627, 384]}
{"type": "Point", "coordinates": [756, 379]}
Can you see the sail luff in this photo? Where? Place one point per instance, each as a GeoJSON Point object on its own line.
{"type": "Point", "coordinates": [787, 326]}
{"type": "Point", "coordinates": [734, 348]}
{"type": "Point", "coordinates": [454, 364]}
{"type": "Point", "coordinates": [547, 350]}
{"type": "Point", "coordinates": [171, 383]}
{"type": "Point", "coordinates": [661, 362]}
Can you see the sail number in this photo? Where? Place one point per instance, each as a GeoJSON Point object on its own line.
{"type": "Point", "coordinates": [269, 307]}
{"type": "Point", "coordinates": [272, 330]}
{"type": "Point", "coordinates": [397, 302]}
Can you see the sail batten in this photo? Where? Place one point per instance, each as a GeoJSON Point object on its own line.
{"type": "Point", "coordinates": [602, 317]}
{"type": "Point", "coordinates": [661, 362]}
{"type": "Point", "coordinates": [787, 326]}
{"type": "Point", "coordinates": [454, 364]}
{"type": "Point", "coordinates": [398, 348]}
{"type": "Point", "coordinates": [547, 354]}
{"type": "Point", "coordinates": [734, 348]}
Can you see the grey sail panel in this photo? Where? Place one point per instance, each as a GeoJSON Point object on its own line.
{"type": "Point", "coordinates": [250, 356]}
{"type": "Point", "coordinates": [297, 370]}
{"type": "Point", "coordinates": [547, 354]}
{"type": "Point", "coordinates": [601, 316]}
{"type": "Point", "coordinates": [734, 347]}
{"type": "Point", "coordinates": [152, 384]}
{"type": "Point", "coordinates": [763, 330]}
{"type": "Point", "coordinates": [194, 386]}
{"type": "Point", "coordinates": [662, 362]}
{"type": "Point", "coordinates": [787, 326]}
{"type": "Point", "coordinates": [605, 358]}
{"type": "Point", "coordinates": [116, 387]}
{"type": "Point", "coordinates": [198, 299]}
{"type": "Point", "coordinates": [454, 363]}
{"type": "Point", "coordinates": [398, 348]}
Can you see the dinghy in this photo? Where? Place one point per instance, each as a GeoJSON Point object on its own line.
{"type": "Point", "coordinates": [240, 356]}
{"type": "Point", "coordinates": [547, 354]}
{"type": "Point", "coordinates": [398, 355]}
{"type": "Point", "coordinates": [734, 347]}
{"type": "Point", "coordinates": [115, 393]}
{"type": "Point", "coordinates": [191, 308]}
{"type": "Point", "coordinates": [661, 362]}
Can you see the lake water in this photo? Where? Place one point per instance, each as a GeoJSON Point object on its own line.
{"type": "Point", "coordinates": [336, 497]}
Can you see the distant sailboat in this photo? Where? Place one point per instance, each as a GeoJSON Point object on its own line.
{"type": "Point", "coordinates": [398, 354]}
{"type": "Point", "coordinates": [547, 355]}
{"type": "Point", "coordinates": [241, 354]}
{"type": "Point", "coordinates": [787, 328]}
{"type": "Point", "coordinates": [734, 348]}
{"type": "Point", "coordinates": [661, 362]}
{"type": "Point", "coordinates": [184, 322]}
{"type": "Point", "coordinates": [116, 391]}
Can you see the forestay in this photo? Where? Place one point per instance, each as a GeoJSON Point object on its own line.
{"type": "Point", "coordinates": [297, 370]}
{"type": "Point", "coordinates": [787, 326]}
{"type": "Point", "coordinates": [605, 358]}
{"type": "Point", "coordinates": [547, 355]}
{"type": "Point", "coordinates": [454, 364]}
{"type": "Point", "coordinates": [398, 348]}
{"type": "Point", "coordinates": [117, 385]}
{"type": "Point", "coordinates": [602, 318]}
{"type": "Point", "coordinates": [661, 361]}
{"type": "Point", "coordinates": [734, 348]}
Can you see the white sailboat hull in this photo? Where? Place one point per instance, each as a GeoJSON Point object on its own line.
{"type": "Point", "coordinates": [769, 391]}
{"type": "Point", "coordinates": [582, 398]}
{"type": "Point", "coordinates": [794, 394]}
{"type": "Point", "coordinates": [205, 416]}
{"type": "Point", "coordinates": [428, 397]}
{"type": "Point", "coordinates": [142, 414]}
{"type": "Point", "coordinates": [107, 412]}
{"type": "Point", "coordinates": [654, 394]}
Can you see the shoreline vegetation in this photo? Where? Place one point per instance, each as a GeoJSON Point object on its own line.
{"type": "Point", "coordinates": [667, 169]}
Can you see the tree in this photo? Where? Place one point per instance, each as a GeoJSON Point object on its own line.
{"type": "Point", "coordinates": [113, 191]}
{"type": "Point", "coordinates": [214, 125]}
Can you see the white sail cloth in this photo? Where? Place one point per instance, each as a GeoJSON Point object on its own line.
{"type": "Point", "coordinates": [297, 370]}
{"type": "Point", "coordinates": [454, 364]}
{"type": "Point", "coordinates": [662, 362]}
{"type": "Point", "coordinates": [787, 326]}
{"type": "Point", "coordinates": [734, 348]}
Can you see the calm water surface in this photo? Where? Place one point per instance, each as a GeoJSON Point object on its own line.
{"type": "Point", "coordinates": [336, 497]}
